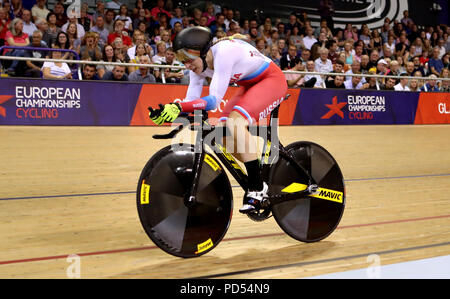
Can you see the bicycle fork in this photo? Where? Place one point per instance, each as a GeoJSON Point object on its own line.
{"type": "Point", "coordinates": [199, 151]}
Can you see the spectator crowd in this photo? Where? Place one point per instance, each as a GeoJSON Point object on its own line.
{"type": "Point", "coordinates": [143, 34]}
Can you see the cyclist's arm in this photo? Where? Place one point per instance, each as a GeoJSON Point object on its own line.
{"type": "Point", "coordinates": [220, 81]}
{"type": "Point", "coordinates": [217, 88]}
{"type": "Point", "coordinates": [195, 86]}
{"type": "Point", "coordinates": [193, 101]}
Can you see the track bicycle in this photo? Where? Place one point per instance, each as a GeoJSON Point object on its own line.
{"type": "Point", "coordinates": [185, 199]}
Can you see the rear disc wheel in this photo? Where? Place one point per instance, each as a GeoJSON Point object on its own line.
{"type": "Point", "coordinates": [309, 219]}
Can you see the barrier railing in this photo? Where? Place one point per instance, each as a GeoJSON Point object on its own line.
{"type": "Point", "coordinates": [96, 63]}
{"type": "Point", "coordinates": [183, 67]}
{"type": "Point", "coordinates": [77, 57]}
{"type": "Point", "coordinates": [79, 103]}
{"type": "Point", "coordinates": [365, 75]}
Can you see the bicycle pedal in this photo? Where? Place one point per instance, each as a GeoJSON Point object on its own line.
{"type": "Point", "coordinates": [312, 189]}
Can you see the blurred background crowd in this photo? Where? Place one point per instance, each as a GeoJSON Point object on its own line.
{"type": "Point", "coordinates": [143, 34]}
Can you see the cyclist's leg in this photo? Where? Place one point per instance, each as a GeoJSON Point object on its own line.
{"type": "Point", "coordinates": [231, 103]}
{"type": "Point", "coordinates": [258, 97]}
{"type": "Point", "coordinates": [257, 101]}
{"type": "Point", "coordinates": [252, 102]}
{"type": "Point", "coordinates": [261, 99]}
{"type": "Point", "coordinates": [246, 151]}
{"type": "Point", "coordinates": [241, 143]}
{"type": "Point", "coordinates": [229, 141]}
{"type": "Point", "coordinates": [244, 144]}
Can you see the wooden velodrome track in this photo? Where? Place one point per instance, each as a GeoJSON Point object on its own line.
{"type": "Point", "coordinates": [71, 190]}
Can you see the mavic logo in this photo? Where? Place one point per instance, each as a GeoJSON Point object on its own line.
{"type": "Point", "coordinates": [331, 195]}
{"type": "Point", "coordinates": [335, 108]}
{"type": "Point", "coordinates": [322, 193]}
{"type": "Point", "coordinates": [3, 99]}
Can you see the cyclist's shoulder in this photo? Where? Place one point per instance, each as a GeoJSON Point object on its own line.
{"type": "Point", "coordinates": [230, 45]}
{"type": "Point", "coordinates": [228, 51]}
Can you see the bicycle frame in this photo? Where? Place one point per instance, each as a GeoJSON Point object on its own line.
{"type": "Point", "coordinates": [229, 161]}
{"type": "Point", "coordinates": [189, 207]}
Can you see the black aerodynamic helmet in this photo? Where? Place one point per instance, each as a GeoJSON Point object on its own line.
{"type": "Point", "coordinates": [192, 42]}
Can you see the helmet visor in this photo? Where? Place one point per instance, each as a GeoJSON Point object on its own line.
{"type": "Point", "coordinates": [184, 55]}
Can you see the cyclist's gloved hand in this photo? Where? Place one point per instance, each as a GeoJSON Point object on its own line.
{"type": "Point", "coordinates": [155, 114]}
{"type": "Point", "coordinates": [171, 112]}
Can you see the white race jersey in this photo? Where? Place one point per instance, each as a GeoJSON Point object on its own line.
{"type": "Point", "coordinates": [234, 60]}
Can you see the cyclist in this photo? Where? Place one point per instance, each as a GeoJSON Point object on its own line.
{"type": "Point", "coordinates": [229, 60]}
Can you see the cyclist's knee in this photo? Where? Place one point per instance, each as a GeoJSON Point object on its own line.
{"type": "Point", "coordinates": [236, 121]}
